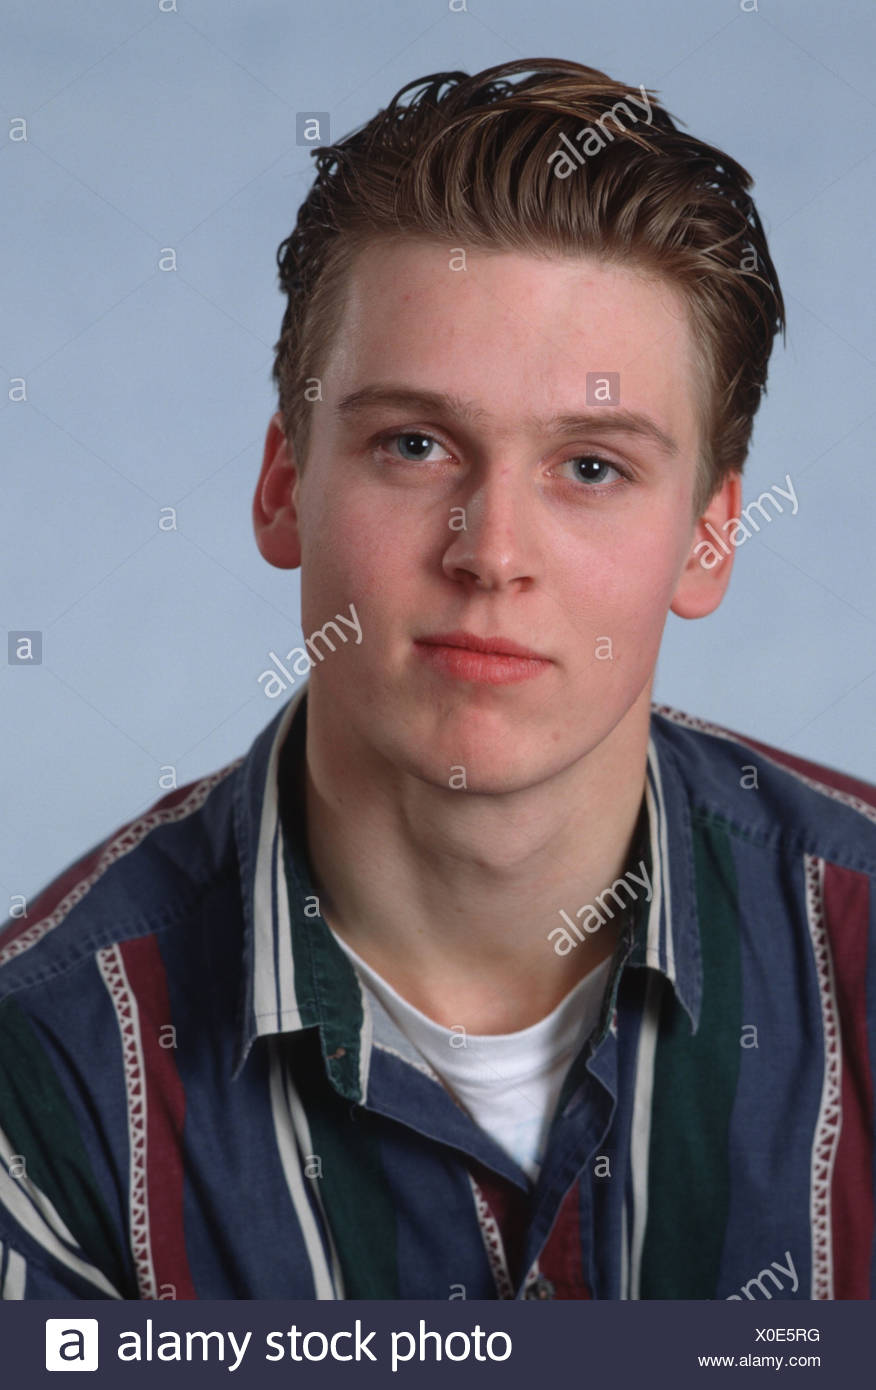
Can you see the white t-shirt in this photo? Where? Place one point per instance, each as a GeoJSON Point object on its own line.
{"type": "Point", "coordinates": [508, 1082]}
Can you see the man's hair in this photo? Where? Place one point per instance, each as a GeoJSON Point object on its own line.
{"type": "Point", "coordinates": [466, 161]}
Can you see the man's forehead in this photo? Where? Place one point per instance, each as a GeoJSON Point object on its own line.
{"type": "Point", "coordinates": [415, 265]}
{"type": "Point", "coordinates": [544, 301]}
{"type": "Point", "coordinates": [469, 336]}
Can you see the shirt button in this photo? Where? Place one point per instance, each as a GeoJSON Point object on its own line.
{"type": "Point", "coordinates": [540, 1288]}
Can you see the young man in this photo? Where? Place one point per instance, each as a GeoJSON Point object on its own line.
{"type": "Point", "coordinates": [478, 977]}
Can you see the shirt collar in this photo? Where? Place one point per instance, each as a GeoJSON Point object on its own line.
{"type": "Point", "coordinates": [667, 936]}
{"type": "Point", "coordinates": [296, 976]}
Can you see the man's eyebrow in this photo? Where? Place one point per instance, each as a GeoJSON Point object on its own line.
{"type": "Point", "coordinates": [610, 420]}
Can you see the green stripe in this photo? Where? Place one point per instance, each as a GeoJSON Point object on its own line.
{"type": "Point", "coordinates": [695, 1078]}
{"type": "Point", "coordinates": [41, 1126]}
{"type": "Point", "coordinates": [326, 985]}
{"type": "Point", "coordinates": [355, 1191]}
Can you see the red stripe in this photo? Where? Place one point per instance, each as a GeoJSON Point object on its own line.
{"type": "Point", "coordinates": [165, 1114]}
{"type": "Point", "coordinates": [510, 1209]}
{"type": "Point", "coordinates": [847, 904]}
{"type": "Point", "coordinates": [561, 1258]}
{"type": "Point", "coordinates": [49, 897]}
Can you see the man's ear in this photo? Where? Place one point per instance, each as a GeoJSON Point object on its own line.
{"type": "Point", "coordinates": [706, 573]}
{"type": "Point", "coordinates": [274, 506]}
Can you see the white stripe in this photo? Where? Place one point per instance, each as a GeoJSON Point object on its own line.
{"type": "Point", "coordinates": [366, 1041]}
{"type": "Point", "coordinates": [305, 1144]}
{"type": "Point", "coordinates": [652, 938]}
{"type": "Point", "coordinates": [287, 1146]}
{"type": "Point", "coordinates": [264, 974]}
{"type": "Point", "coordinates": [264, 987]}
{"type": "Point", "coordinates": [640, 1135]}
{"type": "Point", "coordinates": [829, 1123]}
{"type": "Point", "coordinates": [288, 1001]}
{"type": "Point", "coordinates": [36, 1215]}
{"type": "Point", "coordinates": [662, 857]}
{"type": "Point", "coordinates": [44, 1206]}
{"type": "Point", "coordinates": [624, 1254]}
{"type": "Point", "coordinates": [16, 1275]}
{"type": "Point", "coordinates": [111, 965]}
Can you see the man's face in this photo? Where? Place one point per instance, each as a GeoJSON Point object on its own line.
{"type": "Point", "coordinates": [567, 538]}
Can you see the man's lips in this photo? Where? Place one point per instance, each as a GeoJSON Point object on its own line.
{"type": "Point", "coordinates": [492, 646]}
{"type": "Point", "coordinates": [462, 656]}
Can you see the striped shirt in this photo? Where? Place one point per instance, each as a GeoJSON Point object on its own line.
{"type": "Point", "coordinates": [199, 1097]}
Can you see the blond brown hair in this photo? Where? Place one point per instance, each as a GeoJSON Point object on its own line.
{"type": "Point", "coordinates": [467, 160]}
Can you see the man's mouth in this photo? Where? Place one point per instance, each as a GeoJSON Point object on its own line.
{"type": "Point", "coordinates": [487, 660]}
{"type": "Point", "coordinates": [492, 646]}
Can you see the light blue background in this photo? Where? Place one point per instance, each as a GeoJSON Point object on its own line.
{"type": "Point", "coordinates": [148, 389]}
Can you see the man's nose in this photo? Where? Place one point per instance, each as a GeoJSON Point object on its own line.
{"type": "Point", "coordinates": [493, 531]}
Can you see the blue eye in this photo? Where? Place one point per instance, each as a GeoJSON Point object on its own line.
{"type": "Point", "coordinates": [595, 465]}
{"type": "Point", "coordinates": [413, 439]}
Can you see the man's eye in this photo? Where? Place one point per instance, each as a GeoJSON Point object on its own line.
{"type": "Point", "coordinates": [413, 445]}
{"type": "Point", "coordinates": [591, 468]}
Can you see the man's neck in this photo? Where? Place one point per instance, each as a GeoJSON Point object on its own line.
{"type": "Point", "coordinates": [451, 896]}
